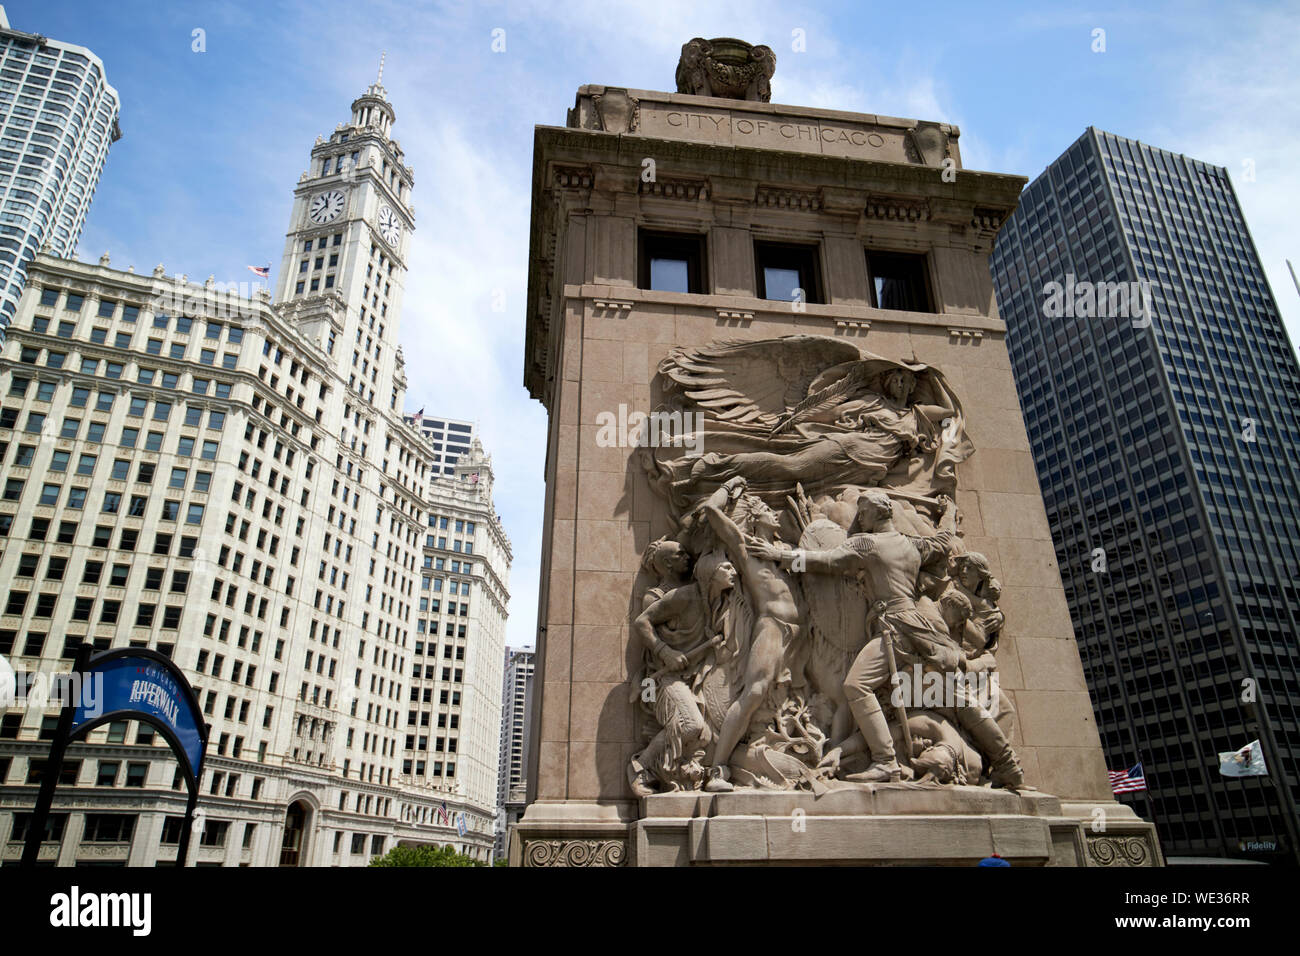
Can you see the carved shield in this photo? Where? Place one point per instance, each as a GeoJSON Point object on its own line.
{"type": "Point", "coordinates": [837, 611]}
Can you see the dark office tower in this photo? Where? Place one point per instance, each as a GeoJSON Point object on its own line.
{"type": "Point", "coordinates": [1166, 446]}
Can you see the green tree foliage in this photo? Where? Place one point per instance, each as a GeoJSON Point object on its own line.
{"type": "Point", "coordinates": [424, 856]}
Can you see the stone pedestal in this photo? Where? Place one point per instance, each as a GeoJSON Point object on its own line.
{"type": "Point", "coordinates": [854, 825]}
{"type": "Point", "coordinates": [731, 179]}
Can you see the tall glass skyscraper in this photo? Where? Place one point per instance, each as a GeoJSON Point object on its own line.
{"type": "Point", "coordinates": [59, 116]}
{"type": "Point", "coordinates": [1167, 444]}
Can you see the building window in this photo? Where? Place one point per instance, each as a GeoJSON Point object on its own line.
{"type": "Point", "coordinates": [54, 826]}
{"type": "Point", "coordinates": [899, 280]}
{"type": "Point", "coordinates": [109, 828]}
{"type": "Point", "coordinates": [787, 272]}
{"type": "Point", "coordinates": [671, 262]}
{"type": "Point", "coordinates": [214, 833]}
{"type": "Point", "coordinates": [171, 832]}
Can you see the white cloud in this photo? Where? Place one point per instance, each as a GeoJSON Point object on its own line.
{"type": "Point", "coordinates": [463, 359]}
{"type": "Point", "coordinates": [1239, 101]}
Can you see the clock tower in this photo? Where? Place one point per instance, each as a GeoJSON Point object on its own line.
{"type": "Point", "coordinates": [344, 265]}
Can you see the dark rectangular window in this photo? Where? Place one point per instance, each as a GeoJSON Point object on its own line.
{"type": "Point", "coordinates": [899, 280]}
{"type": "Point", "coordinates": [214, 833]}
{"type": "Point", "coordinates": [671, 262]}
{"type": "Point", "coordinates": [108, 828]}
{"type": "Point", "coordinates": [54, 826]}
{"type": "Point", "coordinates": [171, 833]}
{"type": "Point", "coordinates": [787, 272]}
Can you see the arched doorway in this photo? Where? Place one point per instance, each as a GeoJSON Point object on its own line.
{"type": "Point", "coordinates": [293, 848]}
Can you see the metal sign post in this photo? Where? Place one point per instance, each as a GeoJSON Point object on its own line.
{"type": "Point", "coordinates": [142, 685]}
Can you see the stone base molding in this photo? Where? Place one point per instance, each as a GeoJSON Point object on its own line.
{"type": "Point", "coordinates": [572, 834]}
{"type": "Point", "coordinates": [858, 825]}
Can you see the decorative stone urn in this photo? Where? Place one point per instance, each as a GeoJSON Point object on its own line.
{"type": "Point", "coordinates": [726, 67]}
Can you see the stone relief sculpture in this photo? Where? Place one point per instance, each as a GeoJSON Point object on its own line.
{"type": "Point", "coordinates": [817, 413]}
{"type": "Point", "coordinates": [814, 619]}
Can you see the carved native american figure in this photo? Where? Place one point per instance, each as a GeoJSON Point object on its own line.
{"type": "Point", "coordinates": [828, 578]}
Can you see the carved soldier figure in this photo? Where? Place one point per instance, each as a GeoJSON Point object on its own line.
{"type": "Point", "coordinates": [889, 564]}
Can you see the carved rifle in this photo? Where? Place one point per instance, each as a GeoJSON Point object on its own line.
{"type": "Point", "coordinates": [693, 656]}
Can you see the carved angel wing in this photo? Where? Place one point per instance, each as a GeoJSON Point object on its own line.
{"type": "Point", "coordinates": [821, 398]}
{"type": "Point", "coordinates": [751, 384]}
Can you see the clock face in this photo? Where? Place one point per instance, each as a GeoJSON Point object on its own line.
{"type": "Point", "coordinates": [390, 227]}
{"type": "Point", "coordinates": [326, 206]}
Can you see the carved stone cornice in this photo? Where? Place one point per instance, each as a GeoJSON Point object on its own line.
{"type": "Point", "coordinates": [691, 190]}
{"type": "Point", "coordinates": [573, 177]}
{"type": "Point", "coordinates": [989, 220]}
{"type": "Point", "coordinates": [897, 209]}
{"type": "Point", "coordinates": [786, 197]}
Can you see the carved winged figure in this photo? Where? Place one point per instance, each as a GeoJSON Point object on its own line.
{"type": "Point", "coordinates": [811, 410]}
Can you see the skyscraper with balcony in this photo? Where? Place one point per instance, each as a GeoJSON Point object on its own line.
{"type": "Point", "coordinates": [59, 117]}
{"type": "Point", "coordinates": [1162, 399]}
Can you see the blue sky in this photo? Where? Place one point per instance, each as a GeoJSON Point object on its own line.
{"type": "Point", "coordinates": [213, 142]}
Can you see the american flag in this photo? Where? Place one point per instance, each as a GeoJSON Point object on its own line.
{"type": "Point", "coordinates": [1126, 781]}
{"type": "Point", "coordinates": [262, 271]}
{"type": "Point", "coordinates": [418, 418]}
{"type": "Point", "coordinates": [442, 812]}
{"type": "Point", "coordinates": [473, 479]}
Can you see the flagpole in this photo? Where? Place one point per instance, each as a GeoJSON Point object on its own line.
{"type": "Point", "coordinates": [1255, 710]}
{"type": "Point", "coordinates": [1151, 807]}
